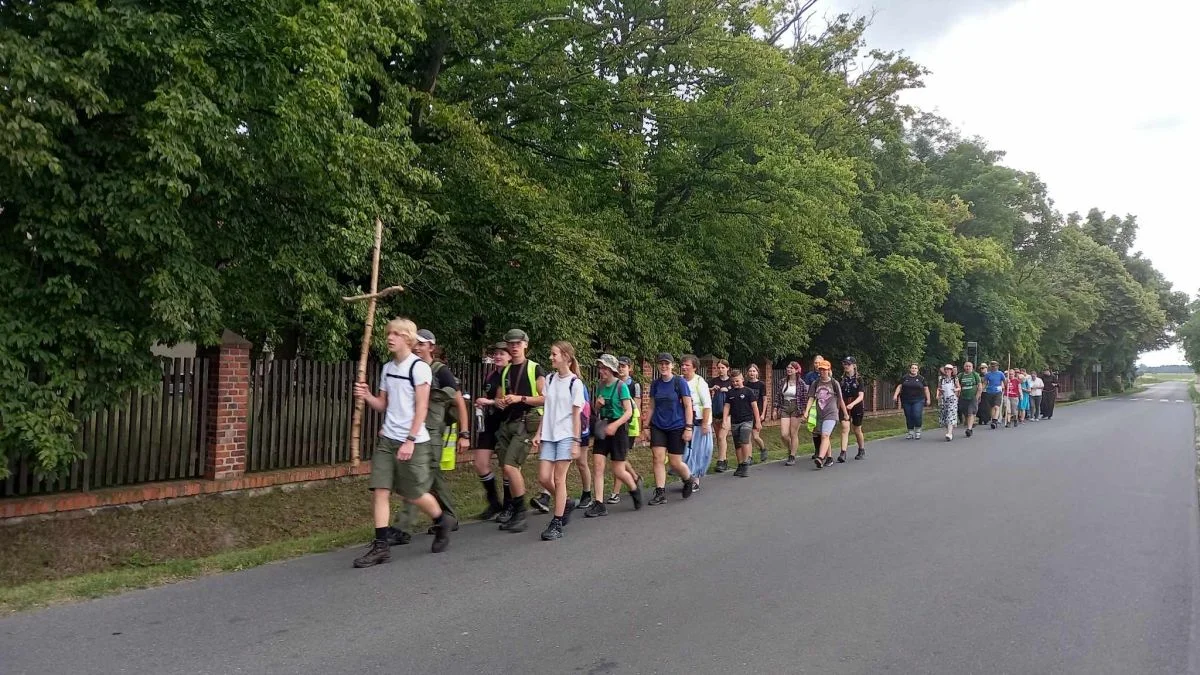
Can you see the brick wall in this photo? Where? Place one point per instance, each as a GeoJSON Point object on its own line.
{"type": "Point", "coordinates": [228, 397]}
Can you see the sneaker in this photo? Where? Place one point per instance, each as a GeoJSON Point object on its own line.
{"type": "Point", "coordinates": [585, 501]}
{"type": "Point", "coordinates": [744, 471]}
{"type": "Point", "coordinates": [917, 435]}
{"type": "Point", "coordinates": [541, 503]}
{"type": "Point", "coordinates": [722, 466]}
{"type": "Point", "coordinates": [949, 437]}
{"type": "Point", "coordinates": [518, 523]}
{"type": "Point", "coordinates": [636, 496]}
{"type": "Point", "coordinates": [596, 510]}
{"type": "Point", "coordinates": [397, 537]}
{"type": "Point", "coordinates": [790, 461]}
{"type": "Point", "coordinates": [908, 436]}
{"type": "Point", "coordinates": [969, 432]}
{"type": "Point", "coordinates": [553, 530]}
{"type": "Point", "coordinates": [695, 484]}
{"type": "Point", "coordinates": [829, 461]}
{"type": "Point", "coordinates": [817, 463]}
{"type": "Point", "coordinates": [993, 424]}
{"type": "Point", "coordinates": [376, 555]}
{"type": "Point", "coordinates": [762, 455]}
{"type": "Point", "coordinates": [505, 515]}
{"type": "Point", "coordinates": [842, 457]}
{"type": "Point", "coordinates": [614, 498]}
{"type": "Point", "coordinates": [441, 535]}
{"type": "Point", "coordinates": [570, 508]}
{"type": "Point", "coordinates": [862, 452]}
{"type": "Point", "coordinates": [687, 487]}
{"type": "Point", "coordinates": [660, 497]}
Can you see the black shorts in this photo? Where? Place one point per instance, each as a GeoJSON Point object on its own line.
{"type": "Point", "coordinates": [856, 416]}
{"type": "Point", "coordinates": [615, 447]}
{"type": "Point", "coordinates": [992, 400]}
{"type": "Point", "coordinates": [486, 440]}
{"type": "Point", "coordinates": [671, 439]}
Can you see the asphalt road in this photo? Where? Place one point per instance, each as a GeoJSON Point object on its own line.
{"type": "Point", "coordinates": [1067, 546]}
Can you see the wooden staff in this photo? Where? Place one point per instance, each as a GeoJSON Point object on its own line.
{"type": "Point", "coordinates": [368, 328]}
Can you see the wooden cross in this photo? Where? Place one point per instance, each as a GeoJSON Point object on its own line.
{"type": "Point", "coordinates": [368, 328]}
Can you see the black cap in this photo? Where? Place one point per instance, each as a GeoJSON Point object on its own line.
{"type": "Point", "coordinates": [849, 361]}
{"type": "Point", "coordinates": [665, 357]}
{"type": "Point", "coordinates": [624, 361]}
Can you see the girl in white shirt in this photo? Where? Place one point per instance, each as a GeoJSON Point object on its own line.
{"type": "Point", "coordinates": [558, 436]}
{"type": "Point", "coordinates": [698, 454]}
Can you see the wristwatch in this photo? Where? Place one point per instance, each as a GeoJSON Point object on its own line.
{"type": "Point", "coordinates": [411, 438]}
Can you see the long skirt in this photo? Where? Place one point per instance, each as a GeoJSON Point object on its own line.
{"type": "Point", "coordinates": [948, 411]}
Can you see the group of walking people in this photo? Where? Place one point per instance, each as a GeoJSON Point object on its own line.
{"type": "Point", "coordinates": [990, 396]}
{"type": "Point", "coordinates": [526, 408]}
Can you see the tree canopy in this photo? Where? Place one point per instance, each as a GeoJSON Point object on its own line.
{"type": "Point", "coordinates": [727, 178]}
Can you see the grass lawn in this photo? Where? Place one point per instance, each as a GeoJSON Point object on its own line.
{"type": "Point", "coordinates": [1154, 378]}
{"type": "Point", "coordinates": [70, 559]}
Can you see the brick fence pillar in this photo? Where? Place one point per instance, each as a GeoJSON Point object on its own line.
{"type": "Point", "coordinates": [768, 378]}
{"type": "Point", "coordinates": [228, 403]}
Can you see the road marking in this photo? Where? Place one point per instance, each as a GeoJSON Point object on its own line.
{"type": "Point", "coordinates": [1179, 400]}
{"type": "Point", "coordinates": [1164, 400]}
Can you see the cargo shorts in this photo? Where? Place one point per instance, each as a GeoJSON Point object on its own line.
{"type": "Point", "coordinates": [513, 440]}
{"type": "Point", "coordinates": [408, 478]}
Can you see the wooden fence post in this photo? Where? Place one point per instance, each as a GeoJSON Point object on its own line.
{"type": "Point", "coordinates": [228, 406]}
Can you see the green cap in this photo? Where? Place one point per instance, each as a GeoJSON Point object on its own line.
{"type": "Point", "coordinates": [516, 335]}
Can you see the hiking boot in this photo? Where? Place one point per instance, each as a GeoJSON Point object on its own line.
{"type": "Point", "coordinates": [993, 424]}
{"type": "Point", "coordinates": [571, 506]}
{"type": "Point", "coordinates": [397, 537]}
{"type": "Point", "coordinates": [743, 471]}
{"type": "Point", "coordinates": [614, 498]}
{"type": "Point", "coordinates": [541, 503]}
{"type": "Point", "coordinates": [518, 523]}
{"type": "Point", "coordinates": [829, 461]}
{"type": "Point", "coordinates": [636, 496]}
{"type": "Point", "coordinates": [553, 530]}
{"type": "Point", "coordinates": [376, 555]}
{"type": "Point", "coordinates": [489, 513]}
{"type": "Point", "coordinates": [585, 501]}
{"type": "Point", "coordinates": [506, 515]}
{"type": "Point", "coordinates": [841, 457]}
{"type": "Point", "coordinates": [862, 452]}
{"type": "Point", "coordinates": [433, 529]}
{"type": "Point", "coordinates": [722, 466]}
{"type": "Point", "coordinates": [596, 510]}
{"type": "Point", "coordinates": [660, 497]}
{"type": "Point", "coordinates": [790, 461]}
{"type": "Point", "coordinates": [762, 455]}
{"type": "Point", "coordinates": [687, 487]}
{"type": "Point", "coordinates": [441, 533]}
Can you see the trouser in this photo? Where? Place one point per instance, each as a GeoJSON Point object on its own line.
{"type": "Point", "coordinates": [1035, 406]}
{"type": "Point", "coordinates": [914, 414]}
{"type": "Point", "coordinates": [698, 453]}
{"type": "Point", "coordinates": [1048, 405]}
{"type": "Point", "coordinates": [440, 489]}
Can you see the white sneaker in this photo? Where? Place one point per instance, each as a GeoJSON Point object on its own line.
{"type": "Point", "coordinates": [949, 437]}
{"type": "Point", "coordinates": [917, 435]}
{"type": "Point", "coordinates": [908, 436]}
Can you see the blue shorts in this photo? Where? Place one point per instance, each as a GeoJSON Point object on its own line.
{"type": "Point", "coordinates": [827, 426]}
{"type": "Point", "coordinates": [556, 451]}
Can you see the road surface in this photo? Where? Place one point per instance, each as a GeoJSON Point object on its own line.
{"type": "Point", "coordinates": [1067, 546]}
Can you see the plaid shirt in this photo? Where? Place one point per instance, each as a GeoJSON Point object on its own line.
{"type": "Point", "coordinates": [801, 393]}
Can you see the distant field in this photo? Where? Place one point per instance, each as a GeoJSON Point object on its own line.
{"type": "Point", "coordinates": [1151, 378]}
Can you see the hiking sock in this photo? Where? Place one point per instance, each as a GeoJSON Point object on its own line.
{"type": "Point", "coordinates": [507, 492]}
{"type": "Point", "coordinates": [587, 494]}
{"type": "Point", "coordinates": [381, 533]}
{"type": "Point", "coordinates": [489, 490]}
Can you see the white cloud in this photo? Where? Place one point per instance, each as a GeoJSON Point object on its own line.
{"type": "Point", "coordinates": [1097, 98]}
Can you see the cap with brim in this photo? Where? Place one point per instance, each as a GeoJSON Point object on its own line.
{"type": "Point", "coordinates": [500, 346]}
{"type": "Point", "coordinates": [665, 357]}
{"type": "Point", "coordinates": [424, 335]}
{"type": "Point", "coordinates": [948, 366]}
{"type": "Point", "coordinates": [516, 335]}
{"type": "Point", "coordinates": [625, 361]}
{"type": "Point", "coordinates": [608, 361]}
{"type": "Point", "coordinates": [822, 364]}
{"type": "Point", "coordinates": [849, 361]}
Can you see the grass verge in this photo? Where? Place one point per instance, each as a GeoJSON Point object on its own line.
{"type": "Point", "coordinates": [56, 561]}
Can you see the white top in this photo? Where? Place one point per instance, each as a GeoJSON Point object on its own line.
{"type": "Point", "coordinates": [947, 385]}
{"type": "Point", "coordinates": [563, 403]}
{"type": "Point", "coordinates": [701, 398]}
{"type": "Point", "coordinates": [1036, 386]}
{"type": "Point", "coordinates": [399, 381]}
{"type": "Point", "coordinates": [789, 390]}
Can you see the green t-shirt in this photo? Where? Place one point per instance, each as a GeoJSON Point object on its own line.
{"type": "Point", "coordinates": [969, 382]}
{"type": "Point", "coordinates": [610, 398]}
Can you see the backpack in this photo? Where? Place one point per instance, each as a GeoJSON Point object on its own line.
{"type": "Point", "coordinates": [442, 410]}
{"type": "Point", "coordinates": [677, 380]}
{"type": "Point", "coordinates": [585, 412]}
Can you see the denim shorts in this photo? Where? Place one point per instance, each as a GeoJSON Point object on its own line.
{"type": "Point", "coordinates": [556, 451]}
{"type": "Point", "coordinates": [827, 426]}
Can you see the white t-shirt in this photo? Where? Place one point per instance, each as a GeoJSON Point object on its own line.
{"type": "Point", "coordinates": [1036, 386]}
{"type": "Point", "coordinates": [399, 381]}
{"type": "Point", "coordinates": [701, 398]}
{"type": "Point", "coordinates": [562, 401]}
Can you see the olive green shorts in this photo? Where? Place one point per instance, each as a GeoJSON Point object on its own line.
{"type": "Point", "coordinates": [409, 478]}
{"type": "Point", "coordinates": [513, 442]}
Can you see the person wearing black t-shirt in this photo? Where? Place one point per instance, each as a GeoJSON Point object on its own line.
{"type": "Point", "coordinates": [520, 401]}
{"type": "Point", "coordinates": [718, 388]}
{"type": "Point", "coordinates": [913, 395]}
{"type": "Point", "coordinates": [485, 441]}
{"type": "Point", "coordinates": [742, 417]}
{"type": "Point", "coordinates": [760, 390]}
{"type": "Point", "coordinates": [854, 397]}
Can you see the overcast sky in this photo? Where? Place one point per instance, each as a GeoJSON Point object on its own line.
{"type": "Point", "coordinates": [1098, 98]}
